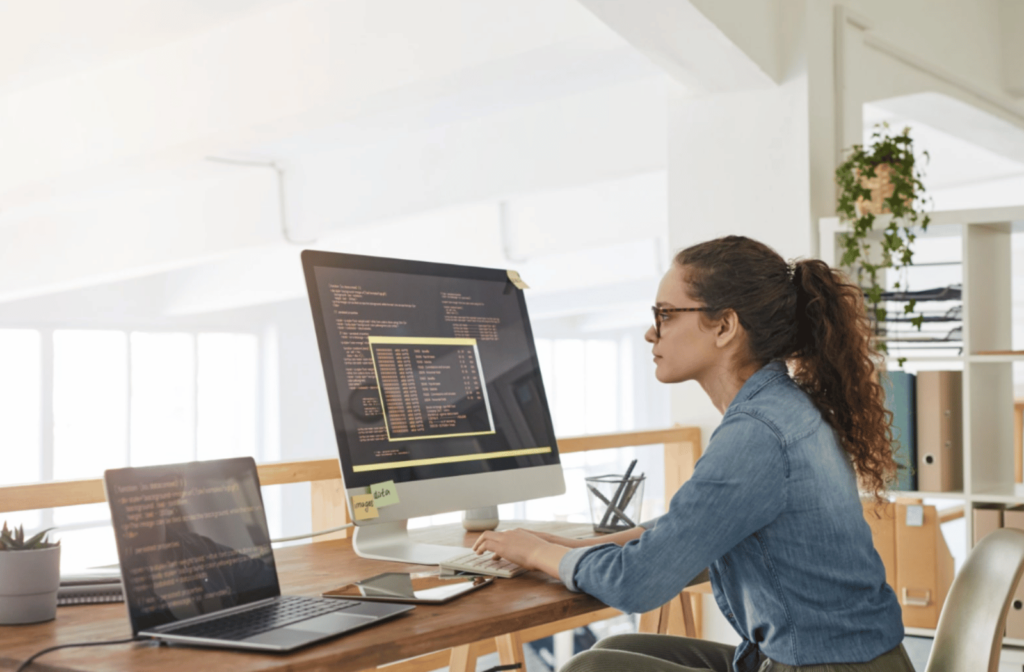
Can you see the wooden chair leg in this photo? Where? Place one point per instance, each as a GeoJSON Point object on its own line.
{"type": "Point", "coordinates": [510, 649]}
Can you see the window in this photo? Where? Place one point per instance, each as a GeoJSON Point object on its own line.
{"type": "Point", "coordinates": [163, 398]}
{"type": "Point", "coordinates": [76, 402]}
{"type": "Point", "coordinates": [90, 403]}
{"type": "Point", "coordinates": [20, 407]}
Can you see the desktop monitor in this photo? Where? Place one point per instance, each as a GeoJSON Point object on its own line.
{"type": "Point", "coordinates": [434, 384]}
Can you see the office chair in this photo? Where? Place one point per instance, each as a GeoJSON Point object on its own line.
{"type": "Point", "coordinates": [970, 631]}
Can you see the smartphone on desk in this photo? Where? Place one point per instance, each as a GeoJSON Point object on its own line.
{"type": "Point", "coordinates": [417, 588]}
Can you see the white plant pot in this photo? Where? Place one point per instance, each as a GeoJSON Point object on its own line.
{"type": "Point", "coordinates": [28, 585]}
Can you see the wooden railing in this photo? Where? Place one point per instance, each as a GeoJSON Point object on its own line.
{"type": "Point", "coordinates": [682, 449]}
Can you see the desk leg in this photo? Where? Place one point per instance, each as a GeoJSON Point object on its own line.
{"type": "Point", "coordinates": [463, 658]}
{"type": "Point", "coordinates": [650, 621]}
{"type": "Point", "coordinates": [510, 649]}
{"type": "Point", "coordinates": [689, 626]}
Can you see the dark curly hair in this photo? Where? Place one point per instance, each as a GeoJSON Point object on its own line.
{"type": "Point", "coordinates": [811, 317]}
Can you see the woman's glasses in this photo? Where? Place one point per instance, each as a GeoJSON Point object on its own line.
{"type": "Point", "coordinates": [661, 314]}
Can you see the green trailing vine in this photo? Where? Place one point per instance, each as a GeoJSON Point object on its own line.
{"type": "Point", "coordinates": [890, 154]}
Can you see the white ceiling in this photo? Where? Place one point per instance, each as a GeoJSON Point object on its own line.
{"type": "Point", "coordinates": [522, 78]}
{"type": "Point", "coordinates": [48, 39]}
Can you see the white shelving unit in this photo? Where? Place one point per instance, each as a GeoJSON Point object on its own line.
{"type": "Point", "coordinates": [988, 379]}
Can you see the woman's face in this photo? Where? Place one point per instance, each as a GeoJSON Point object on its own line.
{"type": "Point", "coordinates": [686, 349]}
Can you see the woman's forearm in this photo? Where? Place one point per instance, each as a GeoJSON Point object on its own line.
{"type": "Point", "coordinates": [620, 538]}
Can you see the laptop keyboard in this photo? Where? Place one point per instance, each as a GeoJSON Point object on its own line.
{"type": "Point", "coordinates": [284, 611]}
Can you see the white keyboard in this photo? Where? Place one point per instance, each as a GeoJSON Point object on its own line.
{"type": "Point", "coordinates": [482, 564]}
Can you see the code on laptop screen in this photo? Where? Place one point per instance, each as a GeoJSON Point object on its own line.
{"type": "Point", "coordinates": [192, 539]}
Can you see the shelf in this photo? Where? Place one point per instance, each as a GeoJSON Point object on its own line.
{"type": "Point", "coordinates": [1001, 496]}
{"type": "Point", "coordinates": [915, 358]}
{"type": "Point", "coordinates": [930, 632]}
{"type": "Point", "coordinates": [919, 632]}
{"type": "Point", "coordinates": [994, 359]}
{"type": "Point", "coordinates": [929, 495]}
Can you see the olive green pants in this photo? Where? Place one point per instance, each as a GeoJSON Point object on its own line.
{"type": "Point", "coordinates": [666, 653]}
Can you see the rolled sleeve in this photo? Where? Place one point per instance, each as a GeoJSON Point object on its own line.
{"type": "Point", "coordinates": [738, 487]}
{"type": "Point", "coordinates": [650, 524]}
{"type": "Point", "coordinates": [569, 562]}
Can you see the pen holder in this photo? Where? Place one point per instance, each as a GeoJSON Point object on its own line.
{"type": "Point", "coordinates": [615, 502]}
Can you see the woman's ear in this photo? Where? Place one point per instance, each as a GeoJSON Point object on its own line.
{"type": "Point", "coordinates": [728, 329]}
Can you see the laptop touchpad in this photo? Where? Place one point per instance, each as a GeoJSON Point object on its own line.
{"type": "Point", "coordinates": [329, 623]}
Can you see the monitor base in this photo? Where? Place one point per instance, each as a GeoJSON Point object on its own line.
{"type": "Point", "coordinates": [480, 520]}
{"type": "Point", "coordinates": [391, 541]}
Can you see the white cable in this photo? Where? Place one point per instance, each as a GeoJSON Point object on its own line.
{"type": "Point", "coordinates": [282, 209]}
{"type": "Point", "coordinates": [311, 534]}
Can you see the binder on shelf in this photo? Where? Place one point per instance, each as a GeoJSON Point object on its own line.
{"type": "Point", "coordinates": [924, 565]}
{"type": "Point", "coordinates": [987, 518]}
{"type": "Point", "coordinates": [1014, 518]}
{"type": "Point", "coordinates": [901, 401]}
{"type": "Point", "coordinates": [940, 431]}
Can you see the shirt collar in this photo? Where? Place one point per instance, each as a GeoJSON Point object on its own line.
{"type": "Point", "coordinates": [762, 377]}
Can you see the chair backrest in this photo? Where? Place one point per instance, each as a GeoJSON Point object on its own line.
{"type": "Point", "coordinates": [970, 631]}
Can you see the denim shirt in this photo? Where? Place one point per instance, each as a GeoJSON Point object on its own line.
{"type": "Point", "coordinates": [773, 510]}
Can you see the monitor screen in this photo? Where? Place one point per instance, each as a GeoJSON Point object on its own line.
{"type": "Point", "coordinates": [431, 369]}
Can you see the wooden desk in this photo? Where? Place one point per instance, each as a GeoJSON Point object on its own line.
{"type": "Point", "coordinates": [532, 610]}
{"type": "Point", "coordinates": [506, 606]}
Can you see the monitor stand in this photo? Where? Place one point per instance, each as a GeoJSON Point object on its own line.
{"type": "Point", "coordinates": [391, 541]}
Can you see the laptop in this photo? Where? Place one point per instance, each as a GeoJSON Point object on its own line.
{"type": "Point", "coordinates": [197, 566]}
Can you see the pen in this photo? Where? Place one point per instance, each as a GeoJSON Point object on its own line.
{"type": "Point", "coordinates": [634, 485]}
{"type": "Point", "coordinates": [618, 512]}
{"type": "Point", "coordinates": [618, 494]}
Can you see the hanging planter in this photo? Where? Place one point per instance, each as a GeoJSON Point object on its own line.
{"type": "Point", "coordinates": [879, 180]}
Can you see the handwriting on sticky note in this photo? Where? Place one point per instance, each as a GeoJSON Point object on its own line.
{"type": "Point", "coordinates": [363, 508]}
{"type": "Point", "coordinates": [384, 494]}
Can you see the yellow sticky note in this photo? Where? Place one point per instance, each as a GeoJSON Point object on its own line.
{"type": "Point", "coordinates": [363, 508]}
{"type": "Point", "coordinates": [384, 494]}
{"type": "Point", "coordinates": [516, 280]}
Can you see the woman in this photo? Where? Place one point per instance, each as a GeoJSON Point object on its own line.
{"type": "Point", "coordinates": [772, 508]}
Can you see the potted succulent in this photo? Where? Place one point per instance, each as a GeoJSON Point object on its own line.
{"type": "Point", "coordinates": [29, 577]}
{"type": "Point", "coordinates": [883, 178]}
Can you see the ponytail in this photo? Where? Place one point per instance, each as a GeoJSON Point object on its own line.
{"type": "Point", "coordinates": [834, 362]}
{"type": "Point", "coordinates": [809, 316]}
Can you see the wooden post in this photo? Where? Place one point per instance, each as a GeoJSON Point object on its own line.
{"type": "Point", "coordinates": [1018, 441]}
{"type": "Point", "coordinates": [329, 508]}
{"type": "Point", "coordinates": [680, 459]}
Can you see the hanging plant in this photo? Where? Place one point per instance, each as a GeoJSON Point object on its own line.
{"type": "Point", "coordinates": [882, 179]}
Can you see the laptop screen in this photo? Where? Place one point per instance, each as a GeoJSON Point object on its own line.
{"type": "Point", "coordinates": [192, 539]}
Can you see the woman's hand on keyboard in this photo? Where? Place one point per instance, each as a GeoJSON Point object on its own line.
{"type": "Point", "coordinates": [620, 538]}
{"type": "Point", "coordinates": [562, 541]}
{"type": "Point", "coordinates": [524, 548]}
